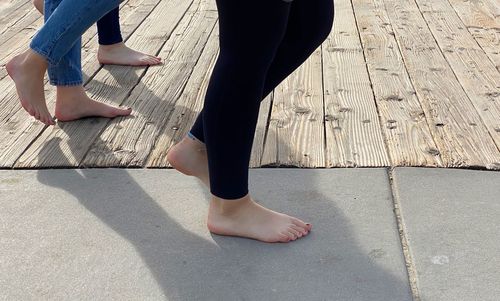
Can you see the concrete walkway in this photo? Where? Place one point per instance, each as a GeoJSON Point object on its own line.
{"type": "Point", "coordinates": [117, 234]}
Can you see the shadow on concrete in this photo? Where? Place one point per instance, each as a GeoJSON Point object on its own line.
{"type": "Point", "coordinates": [328, 264]}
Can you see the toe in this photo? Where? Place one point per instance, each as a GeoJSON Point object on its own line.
{"type": "Point", "coordinates": [301, 230]}
{"type": "Point", "coordinates": [122, 112]}
{"type": "Point", "coordinates": [152, 61]}
{"type": "Point", "coordinates": [296, 233]}
{"type": "Point", "coordinates": [284, 238]}
{"type": "Point", "coordinates": [301, 224]}
{"type": "Point", "coordinates": [289, 236]}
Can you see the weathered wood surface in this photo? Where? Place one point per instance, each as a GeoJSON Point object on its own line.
{"type": "Point", "coordinates": [297, 118]}
{"type": "Point", "coordinates": [405, 128]}
{"type": "Point", "coordinates": [397, 83]}
{"type": "Point", "coordinates": [128, 141]}
{"type": "Point", "coordinates": [353, 131]}
{"type": "Point", "coordinates": [111, 84]}
{"type": "Point", "coordinates": [460, 135]}
{"type": "Point", "coordinates": [476, 73]}
{"type": "Point", "coordinates": [17, 130]}
{"type": "Point", "coordinates": [482, 20]}
{"type": "Point", "coordinates": [188, 105]}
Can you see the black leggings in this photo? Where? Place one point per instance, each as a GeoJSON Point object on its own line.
{"type": "Point", "coordinates": [108, 28]}
{"type": "Point", "coordinates": [261, 43]}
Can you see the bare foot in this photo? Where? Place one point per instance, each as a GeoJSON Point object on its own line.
{"type": "Point", "coordinates": [189, 156]}
{"type": "Point", "coordinates": [38, 5]}
{"type": "Point", "coordinates": [245, 218]}
{"type": "Point", "coordinates": [120, 54]}
{"type": "Point", "coordinates": [73, 103]}
{"type": "Point", "coordinates": [27, 71]}
{"type": "Point", "coordinates": [242, 217]}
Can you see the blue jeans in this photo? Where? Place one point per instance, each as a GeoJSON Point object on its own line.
{"type": "Point", "coordinates": [59, 39]}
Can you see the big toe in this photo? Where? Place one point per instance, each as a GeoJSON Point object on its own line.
{"type": "Point", "coordinates": [150, 60]}
{"type": "Point", "coordinates": [44, 116]}
{"type": "Point", "coordinates": [120, 112]}
{"type": "Point", "coordinates": [301, 224]}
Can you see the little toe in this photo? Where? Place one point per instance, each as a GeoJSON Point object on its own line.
{"type": "Point", "coordinates": [284, 238]}
{"type": "Point", "coordinates": [288, 235]}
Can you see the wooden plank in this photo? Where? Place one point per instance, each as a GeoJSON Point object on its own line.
{"type": "Point", "coordinates": [261, 131]}
{"type": "Point", "coordinates": [18, 23]}
{"type": "Point", "coordinates": [349, 102]}
{"type": "Point", "coordinates": [461, 137]}
{"type": "Point", "coordinates": [11, 10]}
{"type": "Point", "coordinates": [27, 130]}
{"type": "Point", "coordinates": [405, 129]}
{"type": "Point", "coordinates": [296, 134]}
{"type": "Point", "coordinates": [481, 17]}
{"type": "Point", "coordinates": [129, 141]}
{"type": "Point", "coordinates": [188, 105]}
{"type": "Point", "coordinates": [476, 73]}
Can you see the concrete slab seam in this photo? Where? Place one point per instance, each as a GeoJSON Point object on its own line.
{"type": "Point", "coordinates": [410, 267]}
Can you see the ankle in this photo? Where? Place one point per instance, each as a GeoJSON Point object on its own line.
{"type": "Point", "coordinates": [35, 60]}
{"type": "Point", "coordinates": [229, 207]}
{"type": "Point", "coordinates": [192, 142]}
{"type": "Point", "coordinates": [69, 93]}
{"type": "Point", "coordinates": [111, 47]}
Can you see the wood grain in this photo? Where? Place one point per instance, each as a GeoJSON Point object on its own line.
{"type": "Point", "coordinates": [295, 135]}
{"type": "Point", "coordinates": [476, 73]}
{"type": "Point", "coordinates": [188, 105]}
{"type": "Point", "coordinates": [33, 130]}
{"type": "Point", "coordinates": [353, 132]}
{"type": "Point", "coordinates": [407, 135]}
{"type": "Point", "coordinates": [461, 137]}
{"type": "Point", "coordinates": [129, 141]}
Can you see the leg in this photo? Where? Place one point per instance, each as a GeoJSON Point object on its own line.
{"type": "Point", "coordinates": [309, 24]}
{"type": "Point", "coordinates": [72, 102]}
{"type": "Point", "coordinates": [51, 43]}
{"type": "Point", "coordinates": [108, 28]}
{"type": "Point", "coordinates": [112, 49]}
{"type": "Point", "coordinates": [231, 109]}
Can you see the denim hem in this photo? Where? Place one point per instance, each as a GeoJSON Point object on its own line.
{"type": "Point", "coordinates": [44, 54]}
{"type": "Point", "coordinates": [63, 83]}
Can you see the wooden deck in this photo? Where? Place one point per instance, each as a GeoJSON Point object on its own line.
{"type": "Point", "coordinates": [398, 83]}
